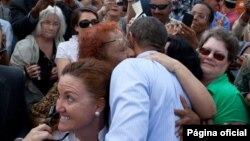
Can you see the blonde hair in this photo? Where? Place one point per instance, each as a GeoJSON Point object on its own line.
{"type": "Point", "coordinates": [43, 15]}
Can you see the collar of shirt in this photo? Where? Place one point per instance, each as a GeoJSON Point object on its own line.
{"type": "Point", "coordinates": [145, 53]}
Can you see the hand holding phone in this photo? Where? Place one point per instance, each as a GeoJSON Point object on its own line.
{"type": "Point", "coordinates": [188, 19]}
{"type": "Point", "coordinates": [137, 7]}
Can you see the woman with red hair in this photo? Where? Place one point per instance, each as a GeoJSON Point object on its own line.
{"type": "Point", "coordinates": [105, 42]}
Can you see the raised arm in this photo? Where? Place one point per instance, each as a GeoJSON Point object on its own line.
{"type": "Point", "coordinates": [242, 21]}
{"type": "Point", "coordinates": [61, 63]}
{"type": "Point", "coordinates": [201, 100]}
{"type": "Point", "coordinates": [24, 16]}
{"type": "Point", "coordinates": [240, 24]}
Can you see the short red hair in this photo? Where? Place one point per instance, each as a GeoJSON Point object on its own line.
{"type": "Point", "coordinates": [91, 40]}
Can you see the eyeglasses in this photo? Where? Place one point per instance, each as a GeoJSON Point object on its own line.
{"type": "Point", "coordinates": [198, 15]}
{"type": "Point", "coordinates": [119, 3]}
{"type": "Point", "coordinates": [50, 23]}
{"type": "Point", "coordinates": [159, 6]}
{"type": "Point", "coordinates": [86, 23]}
{"type": "Point", "coordinates": [122, 41]}
{"type": "Point", "coordinates": [217, 56]}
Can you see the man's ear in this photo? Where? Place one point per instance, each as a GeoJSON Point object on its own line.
{"type": "Point", "coordinates": [131, 39]}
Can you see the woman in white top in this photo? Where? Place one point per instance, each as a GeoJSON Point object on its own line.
{"type": "Point", "coordinates": [67, 51]}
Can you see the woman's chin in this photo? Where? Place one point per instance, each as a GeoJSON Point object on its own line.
{"type": "Point", "coordinates": [63, 128]}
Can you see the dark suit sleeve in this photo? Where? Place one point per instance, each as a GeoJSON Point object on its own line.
{"type": "Point", "coordinates": [22, 23]}
{"type": "Point", "coordinates": [12, 103]}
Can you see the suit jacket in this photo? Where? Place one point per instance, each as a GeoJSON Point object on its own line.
{"type": "Point", "coordinates": [12, 102]}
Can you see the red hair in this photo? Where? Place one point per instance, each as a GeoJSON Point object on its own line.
{"type": "Point", "coordinates": [91, 40]}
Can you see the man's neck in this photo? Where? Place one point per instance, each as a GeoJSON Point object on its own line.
{"type": "Point", "coordinates": [138, 50]}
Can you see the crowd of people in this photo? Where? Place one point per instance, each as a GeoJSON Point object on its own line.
{"type": "Point", "coordinates": [76, 70]}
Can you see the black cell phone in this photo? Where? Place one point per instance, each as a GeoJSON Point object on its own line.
{"type": "Point", "coordinates": [187, 19]}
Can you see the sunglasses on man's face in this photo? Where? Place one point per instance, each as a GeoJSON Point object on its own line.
{"type": "Point", "coordinates": [217, 56]}
{"type": "Point", "coordinates": [159, 6]}
{"type": "Point", "coordinates": [86, 23]}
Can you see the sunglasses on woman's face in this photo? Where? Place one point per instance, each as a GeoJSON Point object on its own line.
{"type": "Point", "coordinates": [86, 23]}
{"type": "Point", "coordinates": [217, 56]}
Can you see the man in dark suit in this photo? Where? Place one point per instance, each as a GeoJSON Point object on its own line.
{"type": "Point", "coordinates": [13, 117]}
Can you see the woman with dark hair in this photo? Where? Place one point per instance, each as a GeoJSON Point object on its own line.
{"type": "Point", "coordinates": [67, 51]}
{"type": "Point", "coordinates": [184, 62]}
{"type": "Point", "coordinates": [182, 51]}
{"type": "Point", "coordinates": [224, 46]}
{"type": "Point", "coordinates": [203, 16]}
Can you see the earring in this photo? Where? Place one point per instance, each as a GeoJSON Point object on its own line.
{"type": "Point", "coordinates": [97, 114]}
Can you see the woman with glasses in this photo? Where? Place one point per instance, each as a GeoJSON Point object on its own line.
{"type": "Point", "coordinates": [36, 53]}
{"type": "Point", "coordinates": [202, 18]}
{"type": "Point", "coordinates": [217, 50]}
{"type": "Point", "coordinates": [106, 42]}
{"type": "Point", "coordinates": [67, 51]}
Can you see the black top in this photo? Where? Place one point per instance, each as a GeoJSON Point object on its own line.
{"type": "Point", "coordinates": [46, 66]}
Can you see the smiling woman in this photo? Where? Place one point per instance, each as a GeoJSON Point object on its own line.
{"type": "Point", "coordinates": [218, 48]}
{"type": "Point", "coordinates": [83, 107]}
